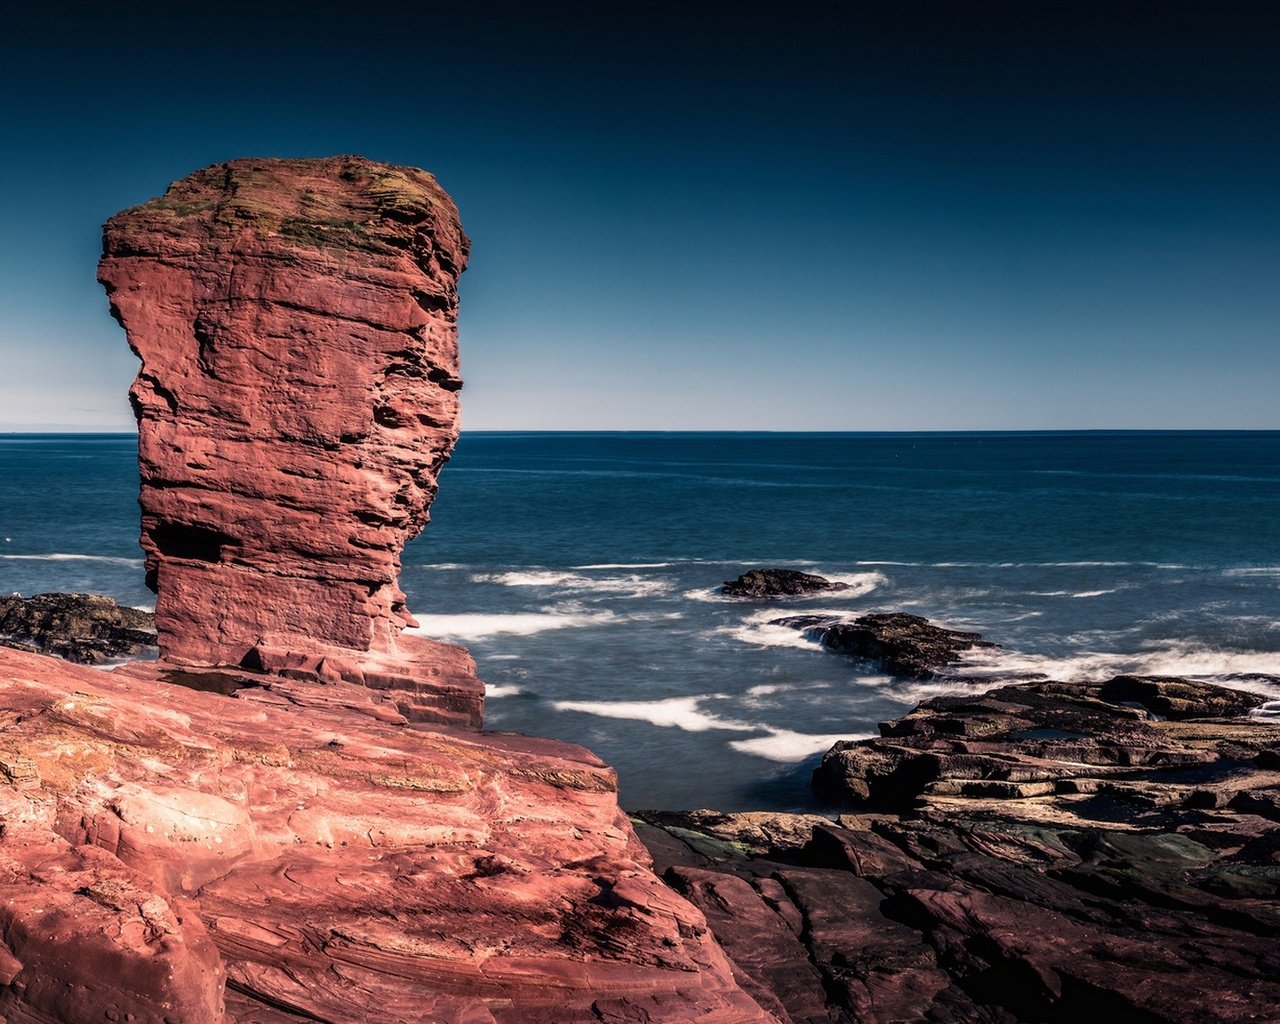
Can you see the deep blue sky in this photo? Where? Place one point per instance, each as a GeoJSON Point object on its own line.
{"type": "Point", "coordinates": [710, 215]}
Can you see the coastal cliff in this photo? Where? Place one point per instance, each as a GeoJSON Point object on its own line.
{"type": "Point", "coordinates": [291, 815]}
{"type": "Point", "coordinates": [298, 395]}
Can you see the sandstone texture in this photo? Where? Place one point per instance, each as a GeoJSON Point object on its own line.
{"type": "Point", "coordinates": [767, 583]}
{"type": "Point", "coordinates": [902, 644]}
{"type": "Point", "coordinates": [290, 816]}
{"type": "Point", "coordinates": [1042, 853]}
{"type": "Point", "coordinates": [296, 399]}
{"type": "Point", "coordinates": [295, 853]}
{"type": "Point", "coordinates": [85, 628]}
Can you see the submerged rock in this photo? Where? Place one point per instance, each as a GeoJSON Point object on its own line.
{"type": "Point", "coordinates": [763, 583]}
{"type": "Point", "coordinates": [902, 644]}
{"type": "Point", "coordinates": [1044, 852]}
{"type": "Point", "coordinates": [85, 628]}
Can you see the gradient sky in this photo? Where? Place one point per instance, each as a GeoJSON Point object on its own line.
{"type": "Point", "coordinates": [700, 215]}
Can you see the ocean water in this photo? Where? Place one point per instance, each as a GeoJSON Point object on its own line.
{"type": "Point", "coordinates": [582, 572]}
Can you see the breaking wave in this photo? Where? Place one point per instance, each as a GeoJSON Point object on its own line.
{"type": "Point", "coordinates": [481, 625]}
{"type": "Point", "coordinates": [59, 556]}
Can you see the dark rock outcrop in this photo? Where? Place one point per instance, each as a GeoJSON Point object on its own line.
{"type": "Point", "coordinates": [902, 644]}
{"type": "Point", "coordinates": [84, 628]}
{"type": "Point", "coordinates": [1041, 739]}
{"type": "Point", "coordinates": [768, 583]}
{"type": "Point", "coordinates": [1048, 881]}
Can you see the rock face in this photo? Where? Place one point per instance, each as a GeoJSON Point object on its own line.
{"type": "Point", "coordinates": [1043, 853]}
{"type": "Point", "coordinates": [85, 628]}
{"type": "Point", "coordinates": [902, 644]}
{"type": "Point", "coordinates": [1040, 739]}
{"type": "Point", "coordinates": [298, 395]}
{"type": "Point", "coordinates": [296, 853]}
{"type": "Point", "coordinates": [277, 821]}
{"type": "Point", "coordinates": [765, 583]}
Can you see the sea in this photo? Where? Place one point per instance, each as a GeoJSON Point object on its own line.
{"type": "Point", "coordinates": [583, 572]}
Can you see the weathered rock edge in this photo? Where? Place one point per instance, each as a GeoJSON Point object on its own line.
{"type": "Point", "coordinates": [296, 322]}
{"type": "Point", "coordinates": [1015, 867]}
{"type": "Point", "coordinates": [296, 853]}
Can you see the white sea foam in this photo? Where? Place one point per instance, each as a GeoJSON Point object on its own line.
{"type": "Point", "coordinates": [627, 565]}
{"type": "Point", "coordinates": [758, 631]}
{"type": "Point", "coordinates": [1173, 658]}
{"type": "Point", "coordinates": [480, 625]}
{"type": "Point", "coordinates": [632, 584]}
{"type": "Point", "coordinates": [1270, 711]}
{"type": "Point", "coordinates": [674, 712]}
{"type": "Point", "coordinates": [1257, 570]}
{"type": "Point", "coordinates": [59, 556]}
{"type": "Point", "coordinates": [499, 690]}
{"type": "Point", "coordinates": [787, 746]}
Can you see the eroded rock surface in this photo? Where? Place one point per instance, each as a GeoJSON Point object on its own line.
{"type": "Point", "coordinates": [85, 628]}
{"type": "Point", "coordinates": [298, 395]}
{"type": "Point", "coordinates": [1043, 853]}
{"type": "Point", "coordinates": [297, 853]}
{"type": "Point", "coordinates": [767, 583]}
{"type": "Point", "coordinates": [902, 644]}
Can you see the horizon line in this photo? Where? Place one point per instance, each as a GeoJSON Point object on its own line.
{"type": "Point", "coordinates": [89, 432]}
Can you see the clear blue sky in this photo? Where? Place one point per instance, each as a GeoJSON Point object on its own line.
{"type": "Point", "coordinates": [710, 215]}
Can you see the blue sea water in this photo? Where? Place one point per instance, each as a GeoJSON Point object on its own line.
{"type": "Point", "coordinates": [582, 569]}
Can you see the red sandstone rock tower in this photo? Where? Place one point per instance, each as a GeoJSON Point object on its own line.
{"type": "Point", "coordinates": [298, 395]}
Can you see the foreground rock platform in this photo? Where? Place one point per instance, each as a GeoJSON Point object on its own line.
{"type": "Point", "coordinates": [1019, 865]}
{"type": "Point", "coordinates": [298, 395]}
{"type": "Point", "coordinates": [299, 852]}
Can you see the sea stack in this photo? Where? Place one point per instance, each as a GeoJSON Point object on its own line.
{"type": "Point", "coordinates": [298, 395]}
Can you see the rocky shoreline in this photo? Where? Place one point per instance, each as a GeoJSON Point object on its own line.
{"type": "Point", "coordinates": [1035, 852]}
{"type": "Point", "coordinates": [293, 814]}
{"type": "Point", "coordinates": [1041, 852]}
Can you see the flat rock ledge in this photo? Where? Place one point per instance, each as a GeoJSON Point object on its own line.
{"type": "Point", "coordinates": [1013, 872]}
{"type": "Point", "coordinates": [85, 628]}
{"type": "Point", "coordinates": [770, 583]}
{"type": "Point", "coordinates": [901, 644]}
{"type": "Point", "coordinates": [303, 853]}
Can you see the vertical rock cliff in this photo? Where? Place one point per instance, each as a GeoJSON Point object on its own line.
{"type": "Point", "coordinates": [288, 837]}
{"type": "Point", "coordinates": [298, 395]}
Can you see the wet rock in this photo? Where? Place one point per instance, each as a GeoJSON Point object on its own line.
{"type": "Point", "coordinates": [85, 628]}
{"type": "Point", "coordinates": [902, 644]}
{"type": "Point", "coordinates": [1039, 739]}
{"type": "Point", "coordinates": [1039, 853]}
{"type": "Point", "coordinates": [766, 583]}
{"type": "Point", "coordinates": [1180, 698]}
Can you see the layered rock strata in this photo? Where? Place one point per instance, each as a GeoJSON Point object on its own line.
{"type": "Point", "coordinates": [295, 853]}
{"type": "Point", "coordinates": [1016, 868]}
{"type": "Point", "coordinates": [296, 400]}
{"type": "Point", "coordinates": [248, 830]}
